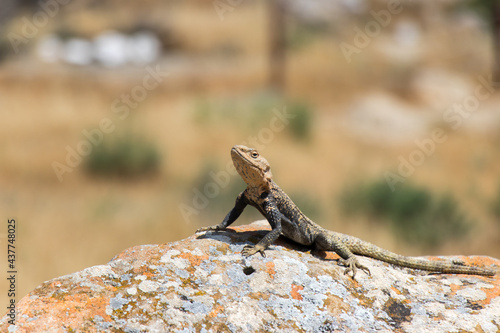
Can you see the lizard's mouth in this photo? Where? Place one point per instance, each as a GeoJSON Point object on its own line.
{"type": "Point", "coordinates": [236, 153]}
{"type": "Point", "coordinates": [242, 161]}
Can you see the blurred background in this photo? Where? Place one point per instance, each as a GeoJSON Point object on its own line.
{"type": "Point", "coordinates": [379, 120]}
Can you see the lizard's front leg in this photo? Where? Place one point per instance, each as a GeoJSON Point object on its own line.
{"type": "Point", "coordinates": [330, 241]}
{"type": "Point", "coordinates": [273, 216]}
{"type": "Point", "coordinates": [239, 206]}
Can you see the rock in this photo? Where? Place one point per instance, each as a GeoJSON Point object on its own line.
{"type": "Point", "coordinates": [438, 89]}
{"type": "Point", "coordinates": [203, 284]}
{"type": "Point", "coordinates": [378, 117]}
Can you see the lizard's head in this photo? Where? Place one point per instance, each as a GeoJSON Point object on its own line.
{"type": "Point", "coordinates": [252, 167]}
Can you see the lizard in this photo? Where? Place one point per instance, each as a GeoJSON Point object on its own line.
{"type": "Point", "coordinates": [286, 219]}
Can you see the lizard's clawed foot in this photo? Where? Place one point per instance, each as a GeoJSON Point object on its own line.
{"type": "Point", "coordinates": [211, 228]}
{"type": "Point", "coordinates": [249, 250]}
{"type": "Point", "coordinates": [352, 265]}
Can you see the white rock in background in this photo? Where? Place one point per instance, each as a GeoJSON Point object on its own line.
{"type": "Point", "coordinates": [355, 6]}
{"type": "Point", "coordinates": [407, 33]}
{"type": "Point", "coordinates": [111, 49]}
{"type": "Point", "coordinates": [318, 11]}
{"type": "Point", "coordinates": [50, 49]}
{"type": "Point", "coordinates": [438, 88]}
{"type": "Point", "coordinates": [382, 118]}
{"type": "Point", "coordinates": [403, 45]}
{"type": "Point", "coordinates": [78, 51]}
{"type": "Point", "coordinates": [143, 48]}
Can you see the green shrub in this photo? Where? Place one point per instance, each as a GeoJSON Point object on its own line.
{"type": "Point", "coordinates": [4, 49]}
{"type": "Point", "coordinates": [254, 113]}
{"type": "Point", "coordinates": [495, 205]}
{"type": "Point", "coordinates": [414, 214]}
{"type": "Point", "coordinates": [251, 112]}
{"type": "Point", "coordinates": [302, 34]}
{"type": "Point", "coordinates": [124, 155]}
{"type": "Point", "coordinates": [300, 124]}
{"type": "Point", "coordinates": [262, 108]}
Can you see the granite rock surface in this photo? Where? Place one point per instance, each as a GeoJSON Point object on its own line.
{"type": "Point", "coordinates": [203, 284]}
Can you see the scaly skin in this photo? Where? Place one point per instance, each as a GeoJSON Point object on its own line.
{"type": "Point", "coordinates": [286, 219]}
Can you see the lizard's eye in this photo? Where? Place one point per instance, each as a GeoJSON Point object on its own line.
{"type": "Point", "coordinates": [254, 154]}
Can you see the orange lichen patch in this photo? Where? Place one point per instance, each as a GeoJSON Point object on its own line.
{"type": "Point", "coordinates": [327, 255]}
{"type": "Point", "coordinates": [55, 284]}
{"type": "Point", "coordinates": [479, 261]}
{"type": "Point", "coordinates": [148, 274]}
{"type": "Point", "coordinates": [491, 293]}
{"type": "Point", "coordinates": [396, 291]}
{"type": "Point", "coordinates": [139, 270]}
{"type": "Point", "coordinates": [438, 317]}
{"type": "Point", "coordinates": [128, 252]}
{"type": "Point", "coordinates": [335, 305]}
{"type": "Point", "coordinates": [261, 296]}
{"type": "Point", "coordinates": [454, 288]}
{"type": "Point", "coordinates": [95, 280]}
{"type": "Point", "coordinates": [218, 309]}
{"type": "Point", "coordinates": [270, 269]}
{"type": "Point", "coordinates": [91, 306]}
{"type": "Point", "coordinates": [295, 292]}
{"type": "Point", "coordinates": [143, 253]}
{"type": "Point", "coordinates": [110, 288]}
{"type": "Point", "coordinates": [193, 259]}
{"type": "Point", "coordinates": [356, 283]}
{"type": "Point", "coordinates": [74, 310]}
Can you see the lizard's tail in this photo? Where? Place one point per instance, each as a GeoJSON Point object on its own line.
{"type": "Point", "coordinates": [363, 248]}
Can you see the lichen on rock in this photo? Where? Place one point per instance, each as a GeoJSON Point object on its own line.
{"type": "Point", "coordinates": [203, 284]}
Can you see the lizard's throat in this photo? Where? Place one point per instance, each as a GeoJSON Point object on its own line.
{"type": "Point", "coordinates": [250, 175]}
{"type": "Point", "coordinates": [253, 176]}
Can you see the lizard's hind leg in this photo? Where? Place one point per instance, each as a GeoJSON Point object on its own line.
{"type": "Point", "coordinates": [332, 241]}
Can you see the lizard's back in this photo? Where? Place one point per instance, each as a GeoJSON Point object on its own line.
{"type": "Point", "coordinates": [295, 224]}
